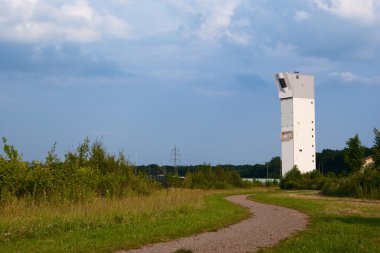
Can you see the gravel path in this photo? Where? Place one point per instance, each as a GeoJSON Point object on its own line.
{"type": "Point", "coordinates": [266, 227]}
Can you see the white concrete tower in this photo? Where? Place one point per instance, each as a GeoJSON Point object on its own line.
{"type": "Point", "coordinates": [296, 92]}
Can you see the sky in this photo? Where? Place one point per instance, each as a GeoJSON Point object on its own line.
{"type": "Point", "coordinates": [146, 75]}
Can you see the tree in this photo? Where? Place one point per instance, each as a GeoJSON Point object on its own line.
{"type": "Point", "coordinates": [98, 157]}
{"type": "Point", "coordinates": [275, 167]}
{"type": "Point", "coordinates": [354, 154]}
{"type": "Point", "coordinates": [83, 151]}
{"type": "Point", "coordinates": [292, 179]}
{"type": "Point", "coordinates": [331, 161]}
{"type": "Point", "coordinates": [376, 147]}
{"type": "Point", "coordinates": [10, 152]}
{"type": "Point", "coordinates": [52, 159]}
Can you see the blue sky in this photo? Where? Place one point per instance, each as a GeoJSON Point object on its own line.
{"type": "Point", "coordinates": [145, 75]}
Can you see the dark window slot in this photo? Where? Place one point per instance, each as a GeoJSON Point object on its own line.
{"type": "Point", "coordinates": [282, 82]}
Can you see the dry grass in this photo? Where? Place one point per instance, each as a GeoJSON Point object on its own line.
{"type": "Point", "coordinates": [104, 225]}
{"type": "Point", "coordinates": [19, 214]}
{"type": "Point", "coordinates": [159, 201]}
{"type": "Point", "coordinates": [349, 206]}
{"type": "Point", "coordinates": [18, 218]}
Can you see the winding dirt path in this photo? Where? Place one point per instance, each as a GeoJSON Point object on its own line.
{"type": "Point", "coordinates": [267, 226]}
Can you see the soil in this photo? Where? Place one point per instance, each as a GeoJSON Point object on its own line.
{"type": "Point", "coordinates": [267, 226]}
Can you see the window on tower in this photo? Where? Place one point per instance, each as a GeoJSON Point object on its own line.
{"type": "Point", "coordinates": [287, 136]}
{"type": "Point", "coordinates": [282, 82]}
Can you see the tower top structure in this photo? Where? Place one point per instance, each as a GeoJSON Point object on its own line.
{"type": "Point", "coordinates": [294, 85]}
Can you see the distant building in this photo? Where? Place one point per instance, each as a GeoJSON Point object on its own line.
{"type": "Point", "coordinates": [368, 161]}
{"type": "Point", "coordinates": [296, 93]}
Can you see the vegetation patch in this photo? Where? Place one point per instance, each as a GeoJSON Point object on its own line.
{"type": "Point", "coordinates": [93, 201]}
{"type": "Point", "coordinates": [336, 224]}
{"type": "Point", "coordinates": [87, 172]}
{"type": "Point", "coordinates": [360, 180]}
{"type": "Point", "coordinates": [106, 225]}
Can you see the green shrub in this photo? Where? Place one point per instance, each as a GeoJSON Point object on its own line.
{"type": "Point", "coordinates": [208, 178]}
{"type": "Point", "coordinates": [294, 179]}
{"type": "Point", "coordinates": [13, 172]}
{"type": "Point", "coordinates": [87, 172]}
{"type": "Point", "coordinates": [360, 185]}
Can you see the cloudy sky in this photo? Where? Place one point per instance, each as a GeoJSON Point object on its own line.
{"type": "Point", "coordinates": [145, 75]}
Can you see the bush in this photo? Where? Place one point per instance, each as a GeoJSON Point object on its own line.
{"type": "Point", "coordinates": [271, 183]}
{"type": "Point", "coordinates": [365, 184]}
{"type": "Point", "coordinates": [208, 178]}
{"type": "Point", "coordinates": [87, 172]}
{"type": "Point", "coordinates": [294, 179]}
{"type": "Point", "coordinates": [13, 172]}
{"type": "Point", "coordinates": [360, 185]}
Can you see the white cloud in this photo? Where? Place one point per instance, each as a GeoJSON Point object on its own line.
{"type": "Point", "coordinates": [349, 77]}
{"type": "Point", "coordinates": [346, 76]}
{"type": "Point", "coordinates": [301, 15]}
{"type": "Point", "coordinates": [241, 39]}
{"type": "Point", "coordinates": [364, 10]}
{"type": "Point", "coordinates": [41, 20]}
{"type": "Point", "coordinates": [215, 19]}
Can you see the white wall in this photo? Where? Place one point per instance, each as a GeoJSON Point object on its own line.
{"type": "Point", "coordinates": [304, 133]}
{"type": "Point", "coordinates": [287, 143]}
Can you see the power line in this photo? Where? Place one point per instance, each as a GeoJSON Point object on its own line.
{"type": "Point", "coordinates": [175, 157]}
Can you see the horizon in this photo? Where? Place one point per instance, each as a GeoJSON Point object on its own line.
{"type": "Point", "coordinates": [186, 165]}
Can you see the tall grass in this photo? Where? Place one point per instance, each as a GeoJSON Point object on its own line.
{"type": "Point", "coordinates": [22, 218]}
{"type": "Point", "coordinates": [109, 224]}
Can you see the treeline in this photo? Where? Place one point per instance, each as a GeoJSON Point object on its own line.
{"type": "Point", "coordinates": [86, 172]}
{"type": "Point", "coordinates": [356, 179]}
{"type": "Point", "coordinates": [272, 169]}
{"type": "Point", "coordinates": [209, 177]}
{"type": "Point", "coordinates": [328, 161]}
{"type": "Point", "coordinates": [333, 161]}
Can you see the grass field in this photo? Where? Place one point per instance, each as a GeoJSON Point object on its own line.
{"type": "Point", "coordinates": [336, 224]}
{"type": "Point", "coordinates": [106, 225]}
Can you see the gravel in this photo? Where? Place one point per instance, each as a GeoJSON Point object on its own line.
{"type": "Point", "coordinates": [266, 227]}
